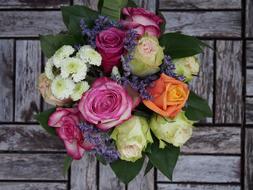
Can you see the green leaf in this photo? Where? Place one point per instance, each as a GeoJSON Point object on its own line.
{"type": "Point", "coordinates": [131, 3]}
{"type": "Point", "coordinates": [67, 163]}
{"type": "Point", "coordinates": [126, 171]}
{"type": "Point", "coordinates": [51, 43]}
{"type": "Point", "coordinates": [73, 14]}
{"type": "Point", "coordinates": [101, 159]}
{"type": "Point", "coordinates": [164, 159]}
{"type": "Point", "coordinates": [42, 118]}
{"type": "Point", "coordinates": [112, 8]}
{"type": "Point", "coordinates": [148, 168]}
{"type": "Point", "coordinates": [100, 5]}
{"type": "Point", "coordinates": [179, 45]}
{"type": "Point", "coordinates": [197, 108]}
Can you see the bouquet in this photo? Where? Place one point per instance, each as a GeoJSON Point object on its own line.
{"type": "Point", "coordinates": [120, 87]}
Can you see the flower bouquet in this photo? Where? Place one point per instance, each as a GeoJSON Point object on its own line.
{"type": "Point", "coordinates": [119, 85]}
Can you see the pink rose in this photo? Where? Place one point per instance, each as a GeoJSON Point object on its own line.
{"type": "Point", "coordinates": [66, 121]}
{"type": "Point", "coordinates": [142, 21]}
{"type": "Point", "coordinates": [110, 44]}
{"type": "Point", "coordinates": [106, 104]}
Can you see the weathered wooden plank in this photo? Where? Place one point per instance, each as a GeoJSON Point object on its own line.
{"type": "Point", "coordinates": [203, 84]}
{"type": "Point", "coordinates": [249, 110]}
{"type": "Point", "coordinates": [31, 166]}
{"type": "Point", "coordinates": [212, 169]}
{"type": "Point", "coordinates": [28, 65]}
{"type": "Point", "coordinates": [200, 4]}
{"type": "Point", "coordinates": [249, 53]}
{"type": "Point", "coordinates": [204, 23]}
{"type": "Point", "coordinates": [108, 180]}
{"type": "Point", "coordinates": [228, 108]}
{"type": "Point", "coordinates": [197, 187]}
{"type": "Point", "coordinates": [28, 138]}
{"type": "Point", "coordinates": [30, 23]}
{"type": "Point", "coordinates": [90, 3]}
{"type": "Point", "coordinates": [83, 174]}
{"type": "Point", "coordinates": [249, 18]}
{"type": "Point", "coordinates": [143, 182]}
{"type": "Point", "coordinates": [249, 82]}
{"type": "Point", "coordinates": [6, 80]}
{"type": "Point", "coordinates": [32, 186]}
{"type": "Point", "coordinates": [214, 140]}
{"type": "Point", "coordinates": [248, 180]}
{"type": "Point", "coordinates": [33, 4]}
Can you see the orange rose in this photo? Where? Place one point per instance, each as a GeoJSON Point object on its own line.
{"type": "Point", "coordinates": [168, 96]}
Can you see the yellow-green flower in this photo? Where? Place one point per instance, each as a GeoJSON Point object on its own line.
{"type": "Point", "coordinates": [79, 89]}
{"type": "Point", "coordinates": [187, 67]}
{"type": "Point", "coordinates": [132, 137]}
{"type": "Point", "coordinates": [147, 56]}
{"type": "Point", "coordinates": [174, 131]}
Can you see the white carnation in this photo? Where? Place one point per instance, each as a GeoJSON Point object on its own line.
{"type": "Point", "coordinates": [89, 55]}
{"type": "Point", "coordinates": [49, 69]}
{"type": "Point", "coordinates": [62, 88]}
{"type": "Point", "coordinates": [75, 68]}
{"type": "Point", "coordinates": [62, 53]}
{"type": "Point", "coordinates": [79, 89]}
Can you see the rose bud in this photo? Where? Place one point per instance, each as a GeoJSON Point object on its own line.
{"type": "Point", "coordinates": [147, 57]}
{"type": "Point", "coordinates": [142, 21]}
{"type": "Point", "coordinates": [174, 131]}
{"type": "Point", "coordinates": [106, 104]}
{"type": "Point", "coordinates": [132, 137]}
{"type": "Point", "coordinates": [187, 67]}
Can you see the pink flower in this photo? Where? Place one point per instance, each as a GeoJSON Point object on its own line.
{"type": "Point", "coordinates": [110, 44]}
{"type": "Point", "coordinates": [142, 21]}
{"type": "Point", "coordinates": [106, 104]}
{"type": "Point", "coordinates": [66, 121]}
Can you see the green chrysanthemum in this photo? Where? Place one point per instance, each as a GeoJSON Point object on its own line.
{"type": "Point", "coordinates": [62, 88]}
{"type": "Point", "coordinates": [62, 53]}
{"type": "Point", "coordinates": [89, 55]}
{"type": "Point", "coordinates": [79, 89]}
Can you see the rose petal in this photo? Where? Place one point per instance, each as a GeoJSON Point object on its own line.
{"type": "Point", "coordinates": [56, 116]}
{"type": "Point", "coordinates": [74, 150]}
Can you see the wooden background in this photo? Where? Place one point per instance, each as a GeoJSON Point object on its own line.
{"type": "Point", "coordinates": [218, 157]}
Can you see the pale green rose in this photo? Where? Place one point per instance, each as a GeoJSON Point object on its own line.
{"type": "Point", "coordinates": [174, 131]}
{"type": "Point", "coordinates": [187, 67]}
{"type": "Point", "coordinates": [131, 138]}
{"type": "Point", "coordinates": [147, 56]}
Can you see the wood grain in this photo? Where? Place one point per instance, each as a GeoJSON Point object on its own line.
{"type": "Point", "coordinates": [214, 140]}
{"type": "Point", "coordinates": [249, 53]}
{"type": "Point", "coordinates": [204, 23]}
{"type": "Point", "coordinates": [143, 182]}
{"type": "Point", "coordinates": [28, 65]}
{"type": "Point", "coordinates": [248, 180]}
{"type": "Point", "coordinates": [249, 82]}
{"type": "Point", "coordinates": [30, 23]}
{"type": "Point", "coordinates": [6, 80]}
{"type": "Point", "coordinates": [28, 138]}
{"type": "Point", "coordinates": [197, 187]}
{"type": "Point", "coordinates": [32, 186]}
{"type": "Point", "coordinates": [206, 169]}
{"type": "Point", "coordinates": [203, 84]}
{"type": "Point", "coordinates": [90, 3]}
{"type": "Point", "coordinates": [31, 166]}
{"type": "Point", "coordinates": [108, 180]}
{"type": "Point", "coordinates": [249, 18]}
{"type": "Point", "coordinates": [33, 4]}
{"type": "Point", "coordinates": [200, 4]}
{"type": "Point", "coordinates": [249, 111]}
{"type": "Point", "coordinates": [228, 82]}
{"type": "Point", "coordinates": [83, 174]}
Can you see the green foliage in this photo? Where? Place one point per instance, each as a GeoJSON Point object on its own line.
{"type": "Point", "coordinates": [179, 45]}
{"type": "Point", "coordinates": [67, 163]}
{"type": "Point", "coordinates": [197, 108]}
{"type": "Point", "coordinates": [148, 168]}
{"type": "Point", "coordinates": [126, 171]}
{"type": "Point", "coordinates": [42, 118]}
{"type": "Point", "coordinates": [51, 43]}
{"type": "Point", "coordinates": [73, 14]}
{"type": "Point", "coordinates": [164, 159]}
{"type": "Point", "coordinates": [112, 8]}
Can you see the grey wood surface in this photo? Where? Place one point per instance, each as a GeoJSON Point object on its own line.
{"type": "Point", "coordinates": [228, 82]}
{"type": "Point", "coordinates": [30, 159]}
{"type": "Point", "coordinates": [199, 4]}
{"type": "Point", "coordinates": [6, 79]}
{"type": "Point", "coordinates": [205, 23]}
